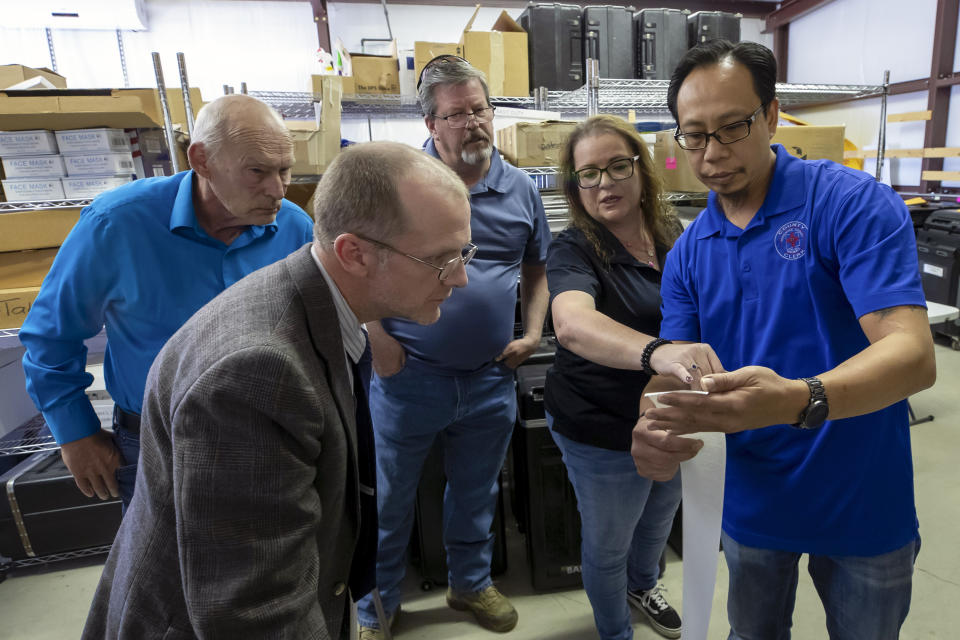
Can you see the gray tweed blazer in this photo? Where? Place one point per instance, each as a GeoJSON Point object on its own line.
{"type": "Point", "coordinates": [246, 511]}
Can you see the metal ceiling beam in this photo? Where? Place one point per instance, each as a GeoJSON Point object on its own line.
{"type": "Point", "coordinates": [942, 79]}
{"type": "Point", "coordinates": [323, 24]}
{"type": "Point", "coordinates": [790, 11]}
{"type": "Point", "coordinates": [781, 50]}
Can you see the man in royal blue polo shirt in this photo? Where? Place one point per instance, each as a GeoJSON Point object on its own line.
{"type": "Point", "coordinates": [454, 379]}
{"type": "Point", "coordinates": [141, 260]}
{"type": "Point", "coordinates": [803, 277]}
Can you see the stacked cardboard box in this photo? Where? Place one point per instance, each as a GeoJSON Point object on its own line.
{"type": "Point", "coordinates": [89, 162]}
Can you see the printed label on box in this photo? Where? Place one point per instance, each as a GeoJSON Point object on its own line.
{"type": "Point", "coordinates": [933, 270]}
{"type": "Point", "coordinates": [34, 167]}
{"type": "Point", "coordinates": [22, 143]}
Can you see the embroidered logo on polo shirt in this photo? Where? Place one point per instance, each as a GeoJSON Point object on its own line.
{"type": "Point", "coordinates": [791, 240]}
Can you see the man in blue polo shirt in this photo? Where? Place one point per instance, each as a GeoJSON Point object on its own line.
{"type": "Point", "coordinates": [803, 277]}
{"type": "Point", "coordinates": [141, 260]}
{"type": "Point", "coordinates": [454, 379]}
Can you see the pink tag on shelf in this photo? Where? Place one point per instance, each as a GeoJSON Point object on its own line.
{"type": "Point", "coordinates": [671, 163]}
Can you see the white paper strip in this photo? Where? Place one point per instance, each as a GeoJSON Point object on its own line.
{"type": "Point", "coordinates": [703, 480]}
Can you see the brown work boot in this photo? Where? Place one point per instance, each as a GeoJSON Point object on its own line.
{"type": "Point", "coordinates": [374, 633]}
{"type": "Point", "coordinates": [491, 608]}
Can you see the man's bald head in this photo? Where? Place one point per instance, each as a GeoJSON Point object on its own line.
{"type": "Point", "coordinates": [234, 116]}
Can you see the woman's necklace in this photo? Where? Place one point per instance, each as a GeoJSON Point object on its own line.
{"type": "Point", "coordinates": [644, 248]}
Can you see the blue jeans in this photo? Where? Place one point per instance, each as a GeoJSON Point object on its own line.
{"type": "Point", "coordinates": [865, 598]}
{"type": "Point", "coordinates": [474, 414]}
{"type": "Point", "coordinates": [626, 519]}
{"type": "Point", "coordinates": [129, 445]}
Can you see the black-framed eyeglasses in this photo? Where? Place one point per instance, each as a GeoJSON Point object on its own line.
{"type": "Point", "coordinates": [727, 134]}
{"type": "Point", "coordinates": [460, 120]}
{"type": "Point", "coordinates": [445, 270]}
{"type": "Point", "coordinates": [619, 169]}
{"type": "Point", "coordinates": [444, 58]}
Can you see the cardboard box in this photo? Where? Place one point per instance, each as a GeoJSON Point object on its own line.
{"type": "Point", "coordinates": [25, 268]}
{"type": "Point", "coordinates": [151, 157]}
{"type": "Point", "coordinates": [534, 144]}
{"type": "Point", "coordinates": [112, 163]}
{"type": "Point", "coordinates": [27, 143]}
{"type": "Point", "coordinates": [92, 140]}
{"type": "Point", "coordinates": [15, 304]}
{"type": "Point", "coordinates": [36, 229]}
{"type": "Point", "coordinates": [88, 108]}
{"type": "Point", "coordinates": [34, 167]}
{"type": "Point", "coordinates": [317, 144]}
{"type": "Point", "coordinates": [11, 74]}
{"type": "Point", "coordinates": [670, 161]}
{"type": "Point", "coordinates": [91, 187]}
{"type": "Point", "coordinates": [31, 189]}
{"type": "Point", "coordinates": [501, 54]}
{"type": "Point", "coordinates": [424, 52]}
{"type": "Point", "coordinates": [812, 142]}
{"type": "Point", "coordinates": [375, 74]}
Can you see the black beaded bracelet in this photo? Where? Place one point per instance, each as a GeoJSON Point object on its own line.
{"type": "Point", "coordinates": [648, 352]}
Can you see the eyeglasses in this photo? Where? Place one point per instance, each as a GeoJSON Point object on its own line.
{"type": "Point", "coordinates": [445, 58]}
{"type": "Point", "coordinates": [460, 120]}
{"type": "Point", "coordinates": [727, 134]}
{"type": "Point", "coordinates": [446, 269]}
{"type": "Point", "coordinates": [617, 170]}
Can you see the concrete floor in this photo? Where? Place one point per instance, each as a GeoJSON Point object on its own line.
{"type": "Point", "coordinates": [50, 603]}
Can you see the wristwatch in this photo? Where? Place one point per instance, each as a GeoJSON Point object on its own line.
{"type": "Point", "coordinates": [816, 411]}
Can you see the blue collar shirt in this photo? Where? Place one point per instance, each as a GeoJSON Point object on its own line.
{"type": "Point", "coordinates": [139, 263]}
{"type": "Point", "coordinates": [828, 245]}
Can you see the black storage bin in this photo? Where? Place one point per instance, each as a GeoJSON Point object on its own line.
{"type": "Point", "coordinates": [712, 25]}
{"type": "Point", "coordinates": [661, 40]}
{"type": "Point", "coordinates": [920, 212]}
{"type": "Point", "coordinates": [608, 37]}
{"type": "Point", "coordinates": [44, 513]}
{"type": "Point", "coordinates": [555, 45]}
{"type": "Point", "coordinates": [548, 508]}
{"type": "Point", "coordinates": [938, 249]}
{"type": "Point", "coordinates": [426, 544]}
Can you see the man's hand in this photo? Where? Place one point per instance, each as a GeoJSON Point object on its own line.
{"type": "Point", "coordinates": [687, 362]}
{"type": "Point", "coordinates": [93, 462]}
{"type": "Point", "coordinates": [517, 351]}
{"type": "Point", "coordinates": [748, 398]}
{"type": "Point", "coordinates": [388, 354]}
{"type": "Point", "coordinates": [658, 454]}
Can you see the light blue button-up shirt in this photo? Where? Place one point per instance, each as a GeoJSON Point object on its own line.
{"type": "Point", "coordinates": [138, 262]}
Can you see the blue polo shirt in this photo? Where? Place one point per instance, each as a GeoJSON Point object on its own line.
{"type": "Point", "coordinates": [138, 262]}
{"type": "Point", "coordinates": [828, 245]}
{"type": "Point", "coordinates": [509, 227]}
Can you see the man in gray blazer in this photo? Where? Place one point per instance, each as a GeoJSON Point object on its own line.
{"type": "Point", "coordinates": [256, 461]}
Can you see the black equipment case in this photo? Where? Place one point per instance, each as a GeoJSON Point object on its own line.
{"type": "Point", "coordinates": [555, 49]}
{"type": "Point", "coordinates": [608, 37]}
{"type": "Point", "coordinates": [44, 513]}
{"type": "Point", "coordinates": [712, 25]}
{"type": "Point", "coordinates": [938, 247]}
{"type": "Point", "coordinates": [661, 41]}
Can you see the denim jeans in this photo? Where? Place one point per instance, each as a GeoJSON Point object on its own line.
{"type": "Point", "coordinates": [626, 519]}
{"type": "Point", "coordinates": [865, 598]}
{"type": "Point", "coordinates": [129, 445]}
{"type": "Point", "coordinates": [474, 414]}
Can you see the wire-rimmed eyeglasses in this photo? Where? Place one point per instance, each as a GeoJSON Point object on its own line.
{"type": "Point", "coordinates": [727, 134]}
{"type": "Point", "coordinates": [619, 169]}
{"type": "Point", "coordinates": [445, 270]}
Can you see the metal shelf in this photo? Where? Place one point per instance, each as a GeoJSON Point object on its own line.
{"type": "Point", "coordinates": [57, 557]}
{"type": "Point", "coordinates": [35, 205]}
{"type": "Point", "coordinates": [32, 436]}
{"type": "Point", "coordinates": [615, 95]}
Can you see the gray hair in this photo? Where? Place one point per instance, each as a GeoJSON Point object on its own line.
{"type": "Point", "coordinates": [452, 71]}
{"type": "Point", "coordinates": [359, 192]}
{"type": "Point", "coordinates": [216, 120]}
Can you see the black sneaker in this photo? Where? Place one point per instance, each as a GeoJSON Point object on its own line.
{"type": "Point", "coordinates": [661, 615]}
